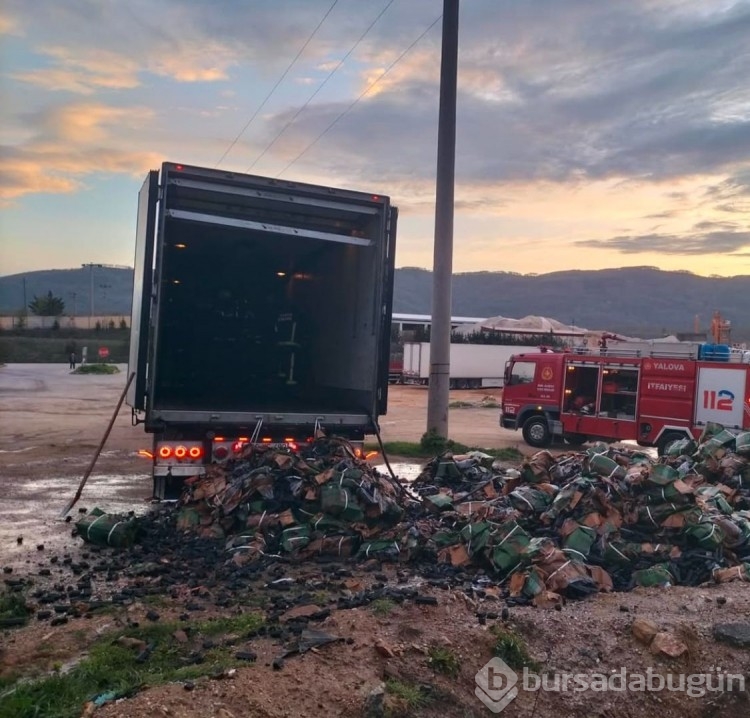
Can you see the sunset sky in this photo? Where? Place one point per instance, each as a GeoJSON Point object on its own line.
{"type": "Point", "coordinates": [591, 133]}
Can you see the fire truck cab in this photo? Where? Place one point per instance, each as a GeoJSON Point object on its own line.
{"type": "Point", "coordinates": [653, 397]}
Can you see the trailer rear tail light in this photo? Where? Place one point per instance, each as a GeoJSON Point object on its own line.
{"type": "Point", "coordinates": [371, 455]}
{"type": "Point", "coordinates": [221, 453]}
{"type": "Point", "coordinates": [145, 453]}
{"type": "Point", "coordinates": [186, 452]}
{"type": "Point", "coordinates": [266, 439]}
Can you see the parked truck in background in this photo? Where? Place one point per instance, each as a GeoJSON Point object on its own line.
{"type": "Point", "coordinates": [654, 397]}
{"type": "Point", "coordinates": [261, 312]}
{"type": "Point", "coordinates": [472, 366]}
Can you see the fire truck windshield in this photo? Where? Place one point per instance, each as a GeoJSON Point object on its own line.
{"type": "Point", "coordinates": [522, 372]}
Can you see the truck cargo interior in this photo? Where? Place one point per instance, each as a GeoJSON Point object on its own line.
{"type": "Point", "coordinates": [253, 321]}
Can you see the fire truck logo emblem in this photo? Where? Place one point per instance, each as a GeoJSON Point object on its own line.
{"type": "Point", "coordinates": [547, 373]}
{"type": "Point", "coordinates": [647, 365]}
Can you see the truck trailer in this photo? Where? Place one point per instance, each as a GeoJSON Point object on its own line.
{"type": "Point", "coordinates": [472, 366]}
{"type": "Point", "coordinates": [653, 397]}
{"type": "Point", "coordinates": [261, 314]}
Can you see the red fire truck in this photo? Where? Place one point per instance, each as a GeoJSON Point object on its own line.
{"type": "Point", "coordinates": [653, 398]}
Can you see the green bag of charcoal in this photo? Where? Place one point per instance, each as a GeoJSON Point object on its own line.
{"type": "Point", "coordinates": [724, 440]}
{"type": "Point", "coordinates": [382, 549]}
{"type": "Point", "coordinates": [742, 443]}
{"type": "Point", "coordinates": [339, 502]}
{"type": "Point", "coordinates": [706, 534]}
{"type": "Point", "coordinates": [475, 536]}
{"type": "Point", "coordinates": [526, 499]}
{"type": "Point", "coordinates": [579, 542]}
{"type": "Point", "coordinates": [709, 431]}
{"type": "Point", "coordinates": [658, 575]}
{"type": "Point", "coordinates": [602, 465]}
{"type": "Point", "coordinates": [683, 447]}
{"type": "Point", "coordinates": [509, 541]}
{"type": "Point", "coordinates": [99, 527]}
{"type": "Point", "coordinates": [295, 537]}
{"type": "Point", "coordinates": [714, 497]}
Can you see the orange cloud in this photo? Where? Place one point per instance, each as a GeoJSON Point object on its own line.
{"type": "Point", "coordinates": [73, 141]}
{"type": "Point", "coordinates": [199, 63]}
{"type": "Point", "coordinates": [9, 26]}
{"type": "Point", "coordinates": [87, 123]}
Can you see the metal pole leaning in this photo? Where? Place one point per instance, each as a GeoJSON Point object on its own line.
{"type": "Point", "coordinates": [99, 448]}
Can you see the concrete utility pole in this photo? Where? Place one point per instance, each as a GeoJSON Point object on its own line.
{"type": "Point", "coordinates": [91, 266]}
{"type": "Point", "coordinates": [442, 272]}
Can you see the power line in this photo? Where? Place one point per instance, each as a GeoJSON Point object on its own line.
{"type": "Point", "coordinates": [278, 82]}
{"type": "Point", "coordinates": [364, 92]}
{"type": "Point", "coordinates": [321, 86]}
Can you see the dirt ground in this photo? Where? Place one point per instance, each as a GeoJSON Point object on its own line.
{"type": "Point", "coordinates": [51, 423]}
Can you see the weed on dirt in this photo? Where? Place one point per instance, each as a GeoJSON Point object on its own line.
{"type": "Point", "coordinates": [121, 664]}
{"type": "Point", "coordinates": [443, 660]}
{"type": "Point", "coordinates": [511, 648]}
{"type": "Point", "coordinates": [13, 610]}
{"type": "Point", "coordinates": [382, 606]}
{"type": "Point", "coordinates": [408, 697]}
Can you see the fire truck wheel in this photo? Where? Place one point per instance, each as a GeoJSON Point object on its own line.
{"type": "Point", "coordinates": [536, 432]}
{"type": "Point", "coordinates": [666, 439]}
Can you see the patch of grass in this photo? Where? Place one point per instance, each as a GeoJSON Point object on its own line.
{"type": "Point", "coordinates": [97, 369]}
{"type": "Point", "coordinates": [443, 660]}
{"type": "Point", "coordinates": [382, 606]}
{"type": "Point", "coordinates": [13, 610]}
{"type": "Point", "coordinates": [411, 696]}
{"type": "Point", "coordinates": [112, 667]}
{"type": "Point", "coordinates": [512, 649]}
{"type": "Point", "coordinates": [320, 598]}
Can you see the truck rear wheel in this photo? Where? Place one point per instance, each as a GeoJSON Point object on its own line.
{"type": "Point", "coordinates": [536, 432]}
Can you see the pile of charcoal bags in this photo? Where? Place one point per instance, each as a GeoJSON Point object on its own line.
{"type": "Point", "coordinates": [557, 526]}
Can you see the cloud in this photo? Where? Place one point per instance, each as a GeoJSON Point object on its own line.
{"type": "Point", "coordinates": [69, 142]}
{"type": "Point", "coordinates": [83, 71]}
{"type": "Point", "coordinates": [717, 242]}
{"type": "Point", "coordinates": [8, 25]}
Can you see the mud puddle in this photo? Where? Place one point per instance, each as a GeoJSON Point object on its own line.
{"type": "Point", "coordinates": [31, 511]}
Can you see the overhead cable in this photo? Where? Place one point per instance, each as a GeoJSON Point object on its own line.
{"type": "Point", "coordinates": [362, 94]}
{"type": "Point", "coordinates": [320, 87]}
{"type": "Point", "coordinates": [275, 87]}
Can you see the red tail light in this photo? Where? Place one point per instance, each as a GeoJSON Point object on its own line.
{"type": "Point", "coordinates": [180, 452]}
{"type": "Point", "coordinates": [221, 453]}
{"type": "Point", "coordinates": [195, 452]}
{"type": "Point", "coordinates": [165, 452]}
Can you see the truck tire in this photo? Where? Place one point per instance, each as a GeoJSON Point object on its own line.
{"type": "Point", "coordinates": [667, 438]}
{"type": "Point", "coordinates": [536, 432]}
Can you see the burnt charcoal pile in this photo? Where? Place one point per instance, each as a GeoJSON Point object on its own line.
{"type": "Point", "coordinates": [555, 527]}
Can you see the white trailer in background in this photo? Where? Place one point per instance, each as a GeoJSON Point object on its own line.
{"type": "Point", "coordinates": [473, 366]}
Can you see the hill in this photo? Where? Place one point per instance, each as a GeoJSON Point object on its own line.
{"type": "Point", "coordinates": [635, 300]}
{"type": "Point", "coordinates": [641, 301]}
